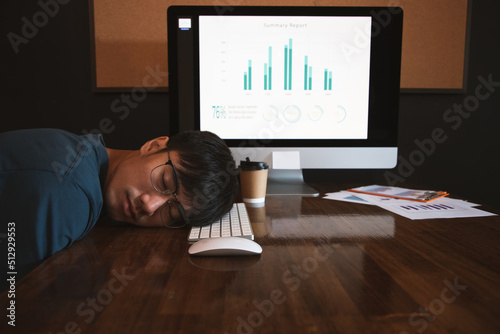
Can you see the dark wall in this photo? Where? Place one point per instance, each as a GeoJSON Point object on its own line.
{"type": "Point", "coordinates": [47, 83]}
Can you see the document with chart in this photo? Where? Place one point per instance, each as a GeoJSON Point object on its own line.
{"type": "Point", "coordinates": [386, 198]}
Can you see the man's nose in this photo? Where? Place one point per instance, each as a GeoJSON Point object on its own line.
{"type": "Point", "coordinates": [152, 202]}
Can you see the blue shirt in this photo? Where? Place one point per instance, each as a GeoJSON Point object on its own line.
{"type": "Point", "coordinates": [50, 189]}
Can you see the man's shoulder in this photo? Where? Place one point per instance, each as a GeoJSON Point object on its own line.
{"type": "Point", "coordinates": [49, 150]}
{"type": "Point", "coordinates": [46, 138]}
{"type": "Point", "coordinates": [29, 135]}
{"type": "Point", "coordinates": [53, 160]}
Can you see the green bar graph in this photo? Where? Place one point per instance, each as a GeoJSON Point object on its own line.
{"type": "Point", "coordinates": [265, 76]}
{"type": "Point", "coordinates": [249, 75]}
{"type": "Point", "coordinates": [305, 73]}
{"type": "Point", "coordinates": [286, 67]}
{"type": "Point", "coordinates": [290, 64]}
{"type": "Point", "coordinates": [310, 72]}
{"type": "Point", "coordinates": [328, 80]}
{"type": "Point", "coordinates": [270, 67]}
{"type": "Point", "coordinates": [268, 71]}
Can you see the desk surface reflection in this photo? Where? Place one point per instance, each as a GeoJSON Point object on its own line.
{"type": "Point", "coordinates": [326, 267]}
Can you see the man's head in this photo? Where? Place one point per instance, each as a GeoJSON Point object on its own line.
{"type": "Point", "coordinates": [197, 163]}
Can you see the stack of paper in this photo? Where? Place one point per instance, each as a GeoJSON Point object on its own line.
{"type": "Point", "coordinates": [419, 204]}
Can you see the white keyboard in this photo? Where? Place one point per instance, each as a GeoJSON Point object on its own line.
{"type": "Point", "coordinates": [233, 224]}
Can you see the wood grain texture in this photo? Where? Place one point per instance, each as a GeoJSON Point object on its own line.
{"type": "Point", "coordinates": [326, 267]}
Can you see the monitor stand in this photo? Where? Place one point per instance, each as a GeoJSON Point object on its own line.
{"type": "Point", "coordinates": [288, 182]}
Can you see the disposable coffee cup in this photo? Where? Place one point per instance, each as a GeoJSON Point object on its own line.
{"type": "Point", "coordinates": [253, 180]}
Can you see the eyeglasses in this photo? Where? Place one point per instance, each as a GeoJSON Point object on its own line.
{"type": "Point", "coordinates": [164, 180]}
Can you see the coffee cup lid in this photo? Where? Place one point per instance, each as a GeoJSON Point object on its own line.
{"type": "Point", "coordinates": [253, 165]}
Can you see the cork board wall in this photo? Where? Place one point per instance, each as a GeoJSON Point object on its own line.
{"type": "Point", "coordinates": [130, 40]}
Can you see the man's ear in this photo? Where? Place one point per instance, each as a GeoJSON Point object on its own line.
{"type": "Point", "coordinates": [154, 145]}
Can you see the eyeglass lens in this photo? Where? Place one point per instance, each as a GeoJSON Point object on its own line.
{"type": "Point", "coordinates": [163, 179]}
{"type": "Point", "coordinates": [170, 215]}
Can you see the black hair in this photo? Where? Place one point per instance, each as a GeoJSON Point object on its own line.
{"type": "Point", "coordinates": [207, 175]}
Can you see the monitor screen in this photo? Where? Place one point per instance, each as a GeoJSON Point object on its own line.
{"type": "Point", "coordinates": [321, 81]}
{"type": "Point", "coordinates": [288, 70]}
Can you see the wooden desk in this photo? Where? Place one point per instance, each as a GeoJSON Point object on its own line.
{"type": "Point", "coordinates": [326, 267]}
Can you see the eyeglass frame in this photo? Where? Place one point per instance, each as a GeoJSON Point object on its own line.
{"type": "Point", "coordinates": [180, 208]}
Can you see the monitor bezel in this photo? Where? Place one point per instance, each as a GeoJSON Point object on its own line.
{"type": "Point", "coordinates": [385, 71]}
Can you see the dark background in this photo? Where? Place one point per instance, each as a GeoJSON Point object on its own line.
{"type": "Point", "coordinates": [48, 84]}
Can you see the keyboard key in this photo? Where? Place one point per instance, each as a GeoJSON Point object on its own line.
{"type": "Point", "coordinates": [205, 232]}
{"type": "Point", "coordinates": [195, 233]}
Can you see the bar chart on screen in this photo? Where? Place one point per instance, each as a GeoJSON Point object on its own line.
{"type": "Point", "coordinates": [290, 73]}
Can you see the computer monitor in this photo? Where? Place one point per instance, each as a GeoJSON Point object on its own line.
{"type": "Point", "coordinates": [315, 84]}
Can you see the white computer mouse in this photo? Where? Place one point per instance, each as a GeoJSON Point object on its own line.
{"type": "Point", "coordinates": [225, 246]}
